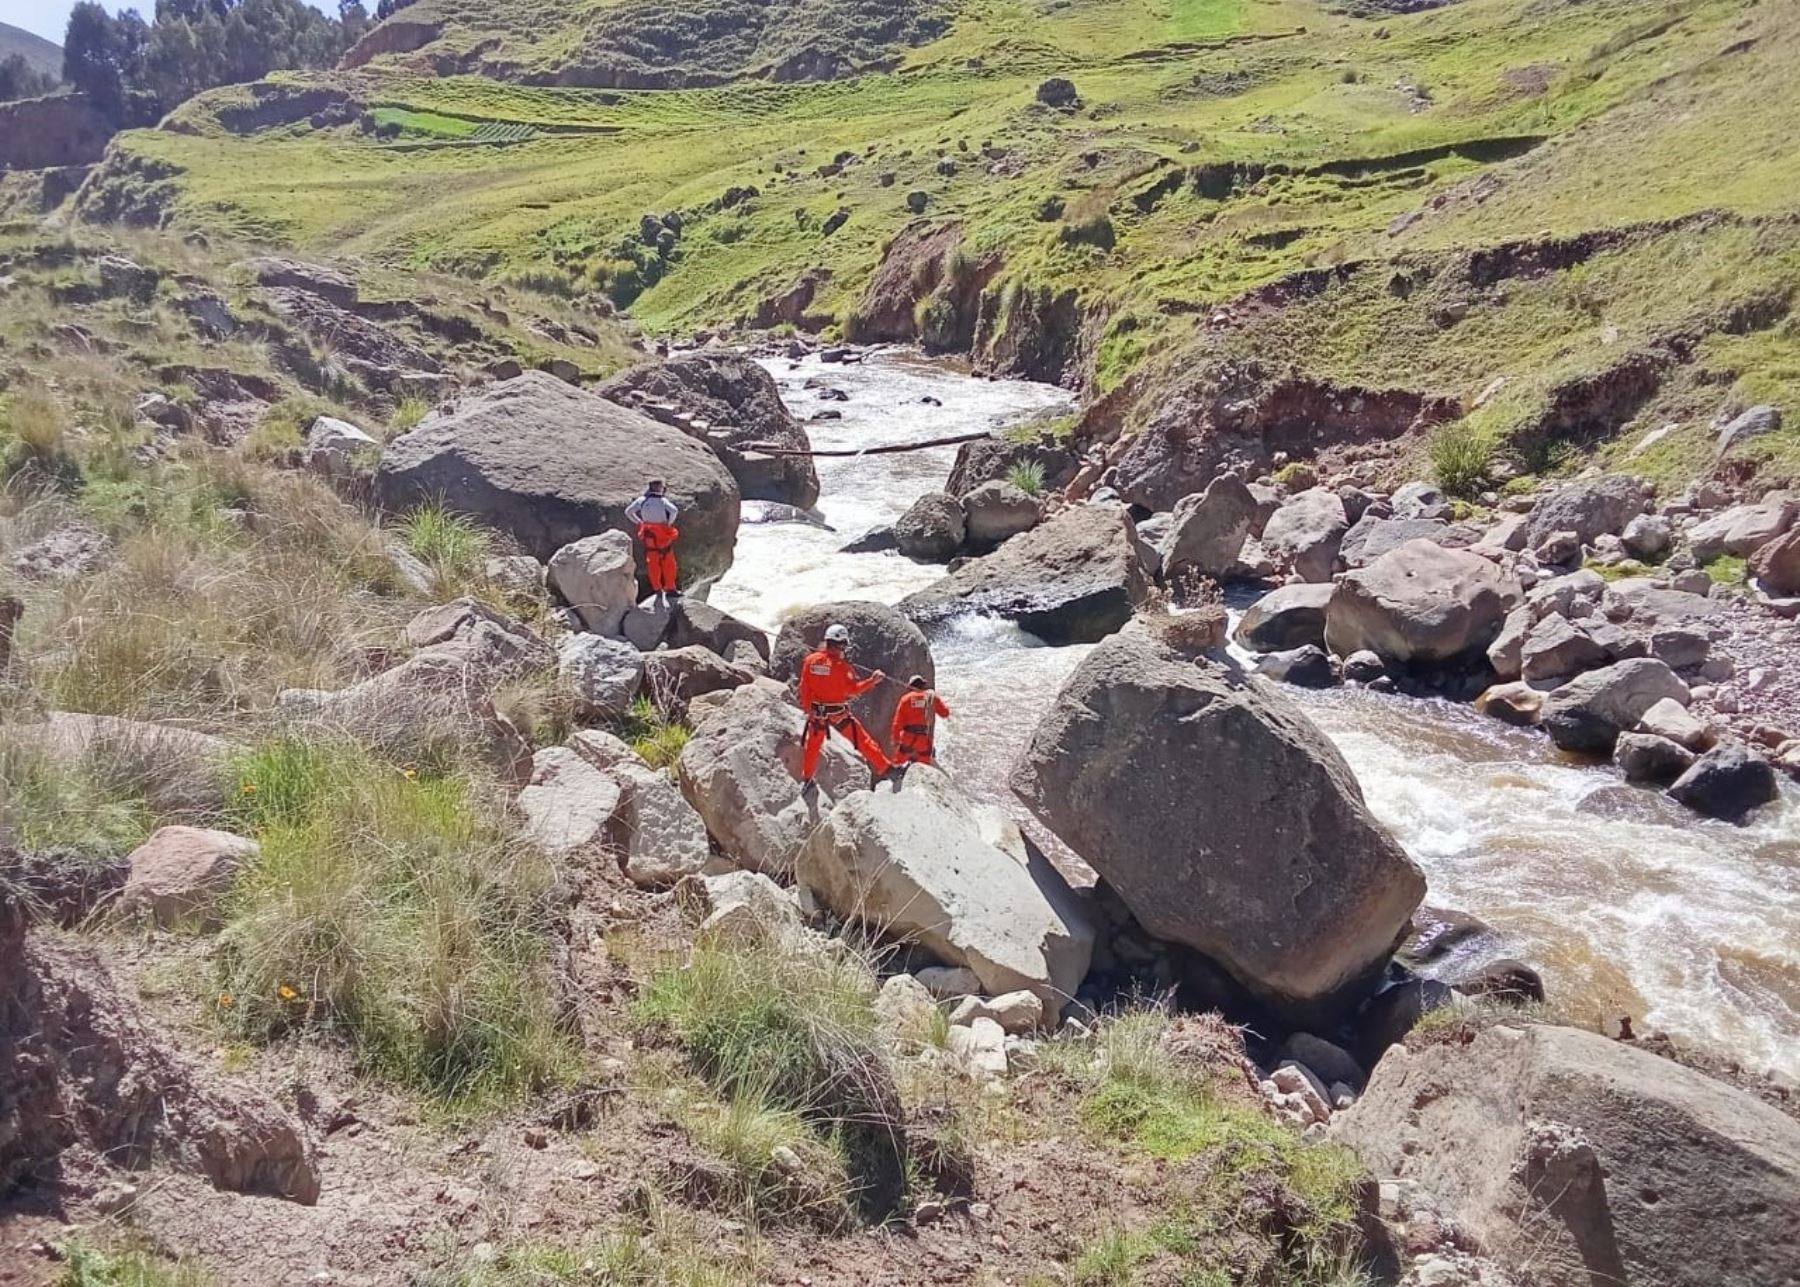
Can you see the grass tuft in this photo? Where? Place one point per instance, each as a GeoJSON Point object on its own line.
{"type": "Point", "coordinates": [657, 738]}
{"type": "Point", "coordinates": [1027, 476]}
{"type": "Point", "coordinates": [387, 904]}
{"type": "Point", "coordinates": [87, 1265]}
{"type": "Point", "coordinates": [452, 545]}
{"type": "Point", "coordinates": [1462, 457]}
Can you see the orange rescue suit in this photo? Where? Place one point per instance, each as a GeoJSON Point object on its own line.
{"type": "Point", "coordinates": [827, 683]}
{"type": "Point", "coordinates": [913, 732]}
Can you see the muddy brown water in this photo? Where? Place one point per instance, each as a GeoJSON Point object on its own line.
{"type": "Point", "coordinates": [1683, 924]}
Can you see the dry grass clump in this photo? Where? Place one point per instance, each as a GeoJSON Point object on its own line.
{"type": "Point", "coordinates": [393, 907]}
{"type": "Point", "coordinates": [792, 1032]}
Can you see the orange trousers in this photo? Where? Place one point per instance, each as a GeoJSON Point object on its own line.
{"type": "Point", "coordinates": [820, 724]}
{"type": "Point", "coordinates": [659, 555]}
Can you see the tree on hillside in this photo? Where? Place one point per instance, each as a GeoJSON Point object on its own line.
{"type": "Point", "coordinates": [197, 44]}
{"type": "Point", "coordinates": [19, 79]}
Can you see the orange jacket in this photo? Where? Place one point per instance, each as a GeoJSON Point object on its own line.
{"type": "Point", "coordinates": [828, 679]}
{"type": "Point", "coordinates": [912, 718]}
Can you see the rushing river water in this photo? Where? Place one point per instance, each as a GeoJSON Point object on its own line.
{"type": "Point", "coordinates": [1683, 924]}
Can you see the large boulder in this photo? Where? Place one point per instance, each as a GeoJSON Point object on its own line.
{"type": "Point", "coordinates": [1371, 537]}
{"type": "Point", "coordinates": [1420, 604]}
{"type": "Point", "coordinates": [1225, 820]}
{"type": "Point", "coordinates": [1306, 532]}
{"type": "Point", "coordinates": [1289, 617]}
{"type": "Point", "coordinates": [1590, 508]}
{"type": "Point", "coordinates": [987, 460]}
{"type": "Point", "coordinates": [692, 622]}
{"type": "Point", "coordinates": [1556, 648]}
{"type": "Point", "coordinates": [1209, 529]}
{"type": "Point", "coordinates": [1776, 566]}
{"type": "Point", "coordinates": [656, 834]}
{"type": "Point", "coordinates": [568, 803]}
{"type": "Point", "coordinates": [731, 404]}
{"type": "Point", "coordinates": [932, 529]}
{"type": "Point", "coordinates": [1588, 1159]}
{"type": "Point", "coordinates": [673, 677]}
{"type": "Point", "coordinates": [997, 511]}
{"type": "Point", "coordinates": [1728, 782]}
{"type": "Point", "coordinates": [741, 772]}
{"type": "Point", "coordinates": [1074, 579]}
{"type": "Point", "coordinates": [597, 576]}
{"type": "Point", "coordinates": [603, 674]}
{"type": "Point", "coordinates": [880, 639]}
{"type": "Point", "coordinates": [925, 864]}
{"type": "Point", "coordinates": [1590, 711]}
{"type": "Point", "coordinates": [1744, 529]}
{"type": "Point", "coordinates": [550, 464]}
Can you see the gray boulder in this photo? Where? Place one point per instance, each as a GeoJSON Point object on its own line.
{"type": "Point", "coordinates": [1742, 530]}
{"type": "Point", "coordinates": [183, 873]}
{"type": "Point", "coordinates": [1590, 711]}
{"type": "Point", "coordinates": [926, 865]}
{"type": "Point", "coordinates": [597, 576]}
{"type": "Point", "coordinates": [1290, 617]}
{"type": "Point", "coordinates": [1373, 537]}
{"type": "Point", "coordinates": [1208, 530]}
{"type": "Point", "coordinates": [692, 622]}
{"type": "Point", "coordinates": [673, 677]}
{"type": "Point", "coordinates": [1588, 1159]}
{"type": "Point", "coordinates": [1073, 579]}
{"type": "Point", "coordinates": [986, 460]}
{"type": "Point", "coordinates": [1224, 820]}
{"type": "Point", "coordinates": [1776, 566]}
{"type": "Point", "coordinates": [1557, 648]}
{"type": "Point", "coordinates": [728, 402]}
{"type": "Point", "coordinates": [656, 835]}
{"type": "Point", "coordinates": [334, 446]}
{"type": "Point", "coordinates": [1306, 532]}
{"type": "Point", "coordinates": [997, 511]}
{"type": "Point", "coordinates": [880, 639]}
{"type": "Point", "coordinates": [741, 772]}
{"type": "Point", "coordinates": [1645, 757]}
{"type": "Point", "coordinates": [1421, 501]}
{"type": "Point", "coordinates": [1305, 667]}
{"type": "Point", "coordinates": [604, 675]}
{"type": "Point", "coordinates": [550, 464]}
{"type": "Point", "coordinates": [567, 803]}
{"type": "Point", "coordinates": [1727, 782]}
{"type": "Point", "coordinates": [1420, 604]}
{"type": "Point", "coordinates": [1746, 425]}
{"type": "Point", "coordinates": [1647, 536]}
{"type": "Point", "coordinates": [1589, 508]}
{"type": "Point", "coordinates": [933, 528]}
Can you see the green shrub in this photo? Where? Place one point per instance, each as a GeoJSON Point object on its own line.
{"type": "Point", "coordinates": [1027, 476]}
{"type": "Point", "coordinates": [792, 1031]}
{"type": "Point", "coordinates": [408, 413]}
{"type": "Point", "coordinates": [1462, 455]}
{"type": "Point", "coordinates": [87, 1265]}
{"type": "Point", "coordinates": [1729, 569]}
{"type": "Point", "coordinates": [454, 546]}
{"type": "Point", "coordinates": [387, 904]}
{"type": "Point", "coordinates": [656, 737]}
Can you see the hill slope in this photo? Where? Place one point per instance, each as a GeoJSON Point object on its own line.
{"type": "Point", "coordinates": [41, 54]}
{"type": "Point", "coordinates": [1216, 149]}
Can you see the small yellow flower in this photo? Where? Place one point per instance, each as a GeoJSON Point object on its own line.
{"type": "Point", "coordinates": [225, 999]}
{"type": "Point", "coordinates": [409, 773]}
{"type": "Point", "coordinates": [286, 992]}
{"type": "Point", "coordinates": [249, 788]}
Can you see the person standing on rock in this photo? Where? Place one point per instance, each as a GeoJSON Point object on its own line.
{"type": "Point", "coordinates": [827, 683]}
{"type": "Point", "coordinates": [655, 515]}
{"type": "Point", "coordinates": [915, 723]}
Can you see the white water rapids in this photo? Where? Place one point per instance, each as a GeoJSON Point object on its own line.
{"type": "Point", "coordinates": [1686, 925]}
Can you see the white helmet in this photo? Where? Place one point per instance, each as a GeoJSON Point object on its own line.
{"type": "Point", "coordinates": [837, 635]}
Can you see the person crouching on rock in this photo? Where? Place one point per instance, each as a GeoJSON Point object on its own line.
{"type": "Point", "coordinates": [827, 683]}
{"type": "Point", "coordinates": [915, 723]}
{"type": "Point", "coordinates": [655, 515]}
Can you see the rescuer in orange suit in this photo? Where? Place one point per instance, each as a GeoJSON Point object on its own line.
{"type": "Point", "coordinates": [827, 683]}
{"type": "Point", "coordinates": [915, 720]}
{"type": "Point", "coordinates": [655, 515]}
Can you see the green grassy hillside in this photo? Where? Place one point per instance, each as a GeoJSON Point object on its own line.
{"type": "Point", "coordinates": [1217, 146]}
{"type": "Point", "coordinates": [40, 54]}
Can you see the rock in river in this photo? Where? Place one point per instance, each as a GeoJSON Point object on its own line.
{"type": "Point", "coordinates": [1074, 579]}
{"type": "Point", "coordinates": [1225, 820]}
{"type": "Point", "coordinates": [1420, 603]}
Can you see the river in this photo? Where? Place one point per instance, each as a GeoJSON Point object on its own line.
{"type": "Point", "coordinates": [1685, 925]}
